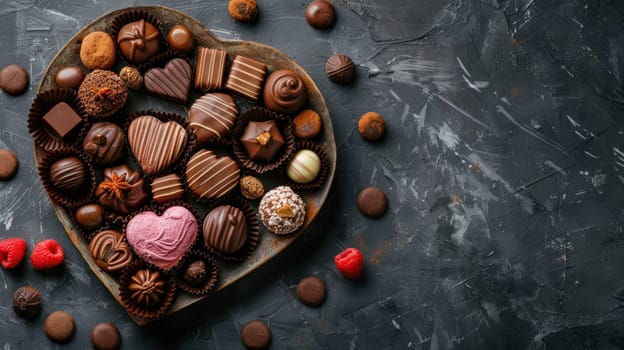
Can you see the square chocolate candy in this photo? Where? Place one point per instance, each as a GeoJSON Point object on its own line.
{"type": "Point", "coordinates": [210, 69]}
{"type": "Point", "coordinates": [62, 119]}
{"type": "Point", "coordinates": [246, 77]}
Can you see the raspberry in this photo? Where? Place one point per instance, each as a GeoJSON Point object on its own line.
{"type": "Point", "coordinates": [12, 251]}
{"type": "Point", "coordinates": [47, 254]}
{"type": "Point", "coordinates": [350, 262]}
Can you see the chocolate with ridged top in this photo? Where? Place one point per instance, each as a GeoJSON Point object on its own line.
{"type": "Point", "coordinates": [167, 188]}
{"type": "Point", "coordinates": [104, 143]}
{"type": "Point", "coordinates": [62, 119]}
{"type": "Point", "coordinates": [262, 140]}
{"type": "Point", "coordinates": [27, 302]}
{"type": "Point", "coordinates": [110, 251]}
{"type": "Point", "coordinates": [138, 41]}
{"type": "Point", "coordinates": [246, 77]}
{"type": "Point", "coordinates": [213, 115]}
{"type": "Point", "coordinates": [147, 287]}
{"type": "Point", "coordinates": [209, 176]}
{"type": "Point", "coordinates": [225, 229]}
{"type": "Point", "coordinates": [68, 174]}
{"type": "Point", "coordinates": [122, 190]}
{"type": "Point", "coordinates": [340, 69]}
{"type": "Point", "coordinates": [284, 92]}
{"type": "Point", "coordinates": [172, 82]}
{"type": "Point", "coordinates": [210, 69]}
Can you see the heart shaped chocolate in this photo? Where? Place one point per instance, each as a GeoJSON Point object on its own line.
{"type": "Point", "coordinates": [110, 251]}
{"type": "Point", "coordinates": [156, 145]}
{"type": "Point", "coordinates": [172, 82]}
{"type": "Point", "coordinates": [209, 176]}
{"type": "Point", "coordinates": [162, 240]}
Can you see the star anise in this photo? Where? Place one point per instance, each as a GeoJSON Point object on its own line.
{"type": "Point", "coordinates": [116, 185]}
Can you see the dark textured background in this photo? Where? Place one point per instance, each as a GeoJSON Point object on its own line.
{"type": "Point", "coordinates": [503, 161]}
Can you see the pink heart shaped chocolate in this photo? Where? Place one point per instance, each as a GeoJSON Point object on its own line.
{"type": "Point", "coordinates": [172, 82]}
{"type": "Point", "coordinates": [162, 240]}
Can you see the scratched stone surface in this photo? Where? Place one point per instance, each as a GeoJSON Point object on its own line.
{"type": "Point", "coordinates": [503, 162]}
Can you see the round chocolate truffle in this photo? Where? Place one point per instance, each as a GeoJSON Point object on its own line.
{"type": "Point", "coordinates": [122, 190]}
{"type": "Point", "coordinates": [251, 187]}
{"type": "Point", "coordinates": [68, 174]}
{"type": "Point", "coordinates": [307, 124]}
{"type": "Point", "coordinates": [340, 69]}
{"type": "Point", "coordinates": [372, 202]}
{"type": "Point", "coordinates": [138, 41]}
{"type": "Point", "coordinates": [59, 326]}
{"type": "Point", "coordinates": [102, 93]}
{"type": "Point", "coordinates": [284, 92]}
{"type": "Point", "coordinates": [97, 51]}
{"type": "Point", "coordinates": [14, 79]}
{"type": "Point", "coordinates": [90, 216]}
{"type": "Point", "coordinates": [110, 251]}
{"type": "Point", "coordinates": [320, 14]}
{"type": "Point", "coordinates": [225, 229]}
{"type": "Point", "coordinates": [132, 76]}
{"type": "Point", "coordinates": [27, 302]}
{"type": "Point", "coordinates": [148, 287]}
{"type": "Point", "coordinates": [8, 164]}
{"type": "Point", "coordinates": [180, 38]}
{"type": "Point", "coordinates": [105, 336]}
{"type": "Point", "coordinates": [371, 126]}
{"type": "Point", "coordinates": [196, 273]}
{"type": "Point", "coordinates": [104, 143]}
{"type": "Point", "coordinates": [282, 210]}
{"type": "Point", "coordinates": [256, 335]}
{"type": "Point", "coordinates": [311, 290]}
{"type": "Point", "coordinates": [69, 77]}
{"type": "Point", "coordinates": [304, 166]}
{"type": "Point", "coordinates": [243, 10]}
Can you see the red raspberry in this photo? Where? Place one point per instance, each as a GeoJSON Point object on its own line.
{"type": "Point", "coordinates": [350, 262]}
{"type": "Point", "coordinates": [47, 254]}
{"type": "Point", "coordinates": [12, 251]}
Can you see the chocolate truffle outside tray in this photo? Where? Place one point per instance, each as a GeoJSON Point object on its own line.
{"type": "Point", "coordinates": [274, 60]}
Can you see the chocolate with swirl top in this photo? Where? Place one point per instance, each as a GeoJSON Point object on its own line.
{"type": "Point", "coordinates": [284, 92]}
{"type": "Point", "coordinates": [110, 251]}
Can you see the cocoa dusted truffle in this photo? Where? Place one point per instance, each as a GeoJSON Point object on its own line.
{"type": "Point", "coordinates": [282, 210]}
{"type": "Point", "coordinates": [102, 93]}
{"type": "Point", "coordinates": [262, 140]}
{"type": "Point", "coordinates": [68, 174]}
{"type": "Point", "coordinates": [340, 69]}
{"type": "Point", "coordinates": [104, 143]}
{"type": "Point", "coordinates": [27, 302]}
{"type": "Point", "coordinates": [243, 10]}
{"type": "Point", "coordinates": [138, 41]}
{"type": "Point", "coordinates": [122, 190]}
{"type": "Point", "coordinates": [284, 92]}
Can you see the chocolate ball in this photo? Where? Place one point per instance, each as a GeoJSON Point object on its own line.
{"type": "Point", "coordinates": [307, 124]}
{"type": "Point", "coordinates": [304, 167]}
{"type": "Point", "coordinates": [14, 79]}
{"type": "Point", "coordinates": [371, 126]}
{"type": "Point", "coordinates": [138, 41]}
{"type": "Point", "coordinates": [196, 273]}
{"type": "Point", "coordinates": [243, 10]}
{"type": "Point", "coordinates": [340, 69]}
{"type": "Point", "coordinates": [225, 229]}
{"type": "Point", "coordinates": [320, 14]}
{"type": "Point", "coordinates": [27, 302]}
{"type": "Point", "coordinates": [69, 77]}
{"type": "Point", "coordinates": [90, 216]}
{"type": "Point", "coordinates": [132, 77]}
{"type": "Point", "coordinates": [180, 38]}
{"type": "Point", "coordinates": [284, 92]}
{"type": "Point", "coordinates": [68, 174]}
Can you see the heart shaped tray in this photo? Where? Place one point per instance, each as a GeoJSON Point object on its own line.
{"type": "Point", "coordinates": [270, 245]}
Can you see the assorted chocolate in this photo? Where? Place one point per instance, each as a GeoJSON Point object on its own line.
{"type": "Point", "coordinates": [213, 115]}
{"type": "Point", "coordinates": [26, 302]}
{"type": "Point", "coordinates": [210, 69]}
{"type": "Point", "coordinates": [104, 143]}
{"type": "Point", "coordinates": [172, 82]}
{"type": "Point", "coordinates": [210, 176]}
{"type": "Point", "coordinates": [340, 69]}
{"type": "Point", "coordinates": [262, 140]}
{"type": "Point", "coordinates": [138, 41]}
{"type": "Point", "coordinates": [69, 77]}
{"type": "Point", "coordinates": [122, 190]}
{"type": "Point", "coordinates": [181, 39]}
{"type": "Point", "coordinates": [246, 77]}
{"type": "Point", "coordinates": [62, 120]}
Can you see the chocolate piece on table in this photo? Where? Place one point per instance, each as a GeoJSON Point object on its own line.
{"type": "Point", "coordinates": [68, 174]}
{"type": "Point", "coordinates": [90, 216]}
{"type": "Point", "coordinates": [59, 326]}
{"type": "Point", "coordinates": [256, 335]}
{"type": "Point", "coordinates": [173, 82]}
{"type": "Point", "coordinates": [225, 229]}
{"type": "Point", "coordinates": [110, 251]}
{"type": "Point", "coordinates": [304, 166]}
{"type": "Point", "coordinates": [209, 176]}
{"type": "Point", "coordinates": [14, 79]}
{"type": "Point", "coordinates": [210, 69]}
{"type": "Point", "coordinates": [372, 202]}
{"type": "Point", "coordinates": [243, 10]}
{"type": "Point", "coordinates": [311, 290]}
{"type": "Point", "coordinates": [167, 188]}
{"type": "Point", "coordinates": [104, 143]}
{"type": "Point", "coordinates": [69, 77]}
{"type": "Point", "coordinates": [8, 164]}
{"type": "Point", "coordinates": [246, 77]}
{"type": "Point", "coordinates": [262, 140]}
{"type": "Point", "coordinates": [138, 41]}
{"type": "Point", "coordinates": [340, 69]}
{"type": "Point", "coordinates": [181, 39]}
{"type": "Point", "coordinates": [196, 273]}
{"type": "Point", "coordinates": [122, 190]}
{"type": "Point", "coordinates": [62, 119]}
{"type": "Point", "coordinates": [213, 115]}
{"type": "Point", "coordinates": [320, 14]}
{"type": "Point", "coordinates": [284, 92]}
{"type": "Point", "coordinates": [26, 302]}
{"type": "Point", "coordinates": [371, 126]}
{"type": "Point", "coordinates": [105, 336]}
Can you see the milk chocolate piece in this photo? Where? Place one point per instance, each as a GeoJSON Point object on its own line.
{"type": "Point", "coordinates": [27, 302]}
{"type": "Point", "coordinates": [209, 176]}
{"type": "Point", "coordinates": [210, 69]}
{"type": "Point", "coordinates": [167, 188]}
{"type": "Point", "coordinates": [59, 326]}
{"type": "Point", "coordinates": [105, 336]}
{"type": "Point", "coordinates": [180, 38]}
{"type": "Point", "coordinates": [213, 115]}
{"type": "Point", "coordinates": [196, 273]}
{"type": "Point", "coordinates": [340, 69]}
{"type": "Point", "coordinates": [372, 202]}
{"type": "Point", "coordinates": [256, 335]}
{"type": "Point", "coordinates": [104, 143]}
{"type": "Point", "coordinates": [8, 164]}
{"type": "Point", "coordinates": [68, 174]}
{"type": "Point", "coordinates": [62, 119]}
{"type": "Point", "coordinates": [311, 290]}
{"type": "Point", "coordinates": [262, 140]}
{"type": "Point", "coordinates": [69, 77]}
{"type": "Point", "coordinates": [14, 79]}
{"type": "Point", "coordinates": [147, 287]}
{"type": "Point", "coordinates": [225, 229]}
{"type": "Point", "coordinates": [138, 41]}
{"type": "Point", "coordinates": [246, 77]}
{"type": "Point", "coordinates": [90, 216]}
{"type": "Point", "coordinates": [122, 190]}
{"type": "Point", "coordinates": [284, 92]}
{"type": "Point", "coordinates": [320, 14]}
{"type": "Point", "coordinates": [172, 82]}
{"type": "Point", "coordinates": [110, 251]}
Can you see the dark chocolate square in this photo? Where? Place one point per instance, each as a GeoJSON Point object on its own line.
{"type": "Point", "coordinates": [62, 119]}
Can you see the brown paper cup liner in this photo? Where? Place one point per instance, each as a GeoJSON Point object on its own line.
{"type": "Point", "coordinates": [322, 175]}
{"type": "Point", "coordinates": [262, 114]}
{"type": "Point", "coordinates": [253, 229]}
{"type": "Point", "coordinates": [71, 201]}
{"type": "Point", "coordinates": [159, 210]}
{"type": "Point", "coordinates": [132, 16]}
{"type": "Point", "coordinates": [211, 280]}
{"type": "Point", "coordinates": [180, 164]}
{"type": "Point", "coordinates": [41, 132]}
{"type": "Point", "coordinates": [116, 272]}
{"type": "Point", "coordinates": [132, 306]}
